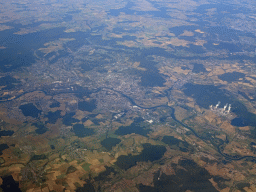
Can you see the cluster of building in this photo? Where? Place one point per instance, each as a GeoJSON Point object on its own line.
{"type": "Point", "coordinates": [224, 111]}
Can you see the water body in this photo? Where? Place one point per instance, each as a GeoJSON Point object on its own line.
{"type": "Point", "coordinates": [87, 105]}
{"type": "Point", "coordinates": [81, 131]}
{"type": "Point", "coordinates": [53, 116]}
{"type": "Point", "coordinates": [231, 77]}
{"type": "Point", "coordinates": [30, 110]}
{"type": "Point", "coordinates": [68, 119]}
{"type": "Point", "coordinates": [133, 128]}
{"type": "Point", "coordinates": [190, 177]}
{"type": "Point", "coordinates": [149, 153]}
{"type": "Point", "coordinates": [41, 129]}
{"type": "Point", "coordinates": [3, 147]}
{"type": "Point", "coordinates": [9, 184]}
{"type": "Point", "coordinates": [108, 143]}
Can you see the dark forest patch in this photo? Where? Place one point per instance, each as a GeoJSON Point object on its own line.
{"type": "Point", "coordinates": [38, 157]}
{"type": "Point", "coordinates": [41, 129]}
{"type": "Point", "coordinates": [136, 128]}
{"type": "Point", "coordinates": [87, 105]}
{"type": "Point", "coordinates": [88, 187]}
{"type": "Point", "coordinates": [149, 153]}
{"type": "Point", "coordinates": [241, 186]}
{"type": "Point", "coordinates": [71, 169]}
{"type": "Point", "coordinates": [9, 82]}
{"type": "Point", "coordinates": [231, 77]}
{"type": "Point", "coordinates": [6, 133]}
{"type": "Point", "coordinates": [68, 119]}
{"type": "Point", "coordinates": [191, 177]}
{"type": "Point", "coordinates": [151, 79]}
{"type": "Point", "coordinates": [3, 147]}
{"type": "Point", "coordinates": [30, 110]}
{"type": "Point", "coordinates": [9, 184]}
{"type": "Point", "coordinates": [239, 122]}
{"type": "Point", "coordinates": [198, 68]}
{"type": "Point", "coordinates": [206, 95]}
{"type": "Point", "coordinates": [53, 116]}
{"type": "Point", "coordinates": [81, 131]}
{"type": "Point", "coordinates": [172, 141]}
{"type": "Point", "coordinates": [55, 104]}
{"type": "Point", "coordinates": [105, 175]}
{"type": "Point", "coordinates": [108, 143]}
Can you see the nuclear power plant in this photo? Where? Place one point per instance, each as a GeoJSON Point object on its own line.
{"type": "Point", "coordinates": [222, 111]}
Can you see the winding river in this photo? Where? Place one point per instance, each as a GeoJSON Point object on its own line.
{"type": "Point", "coordinates": [219, 146]}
